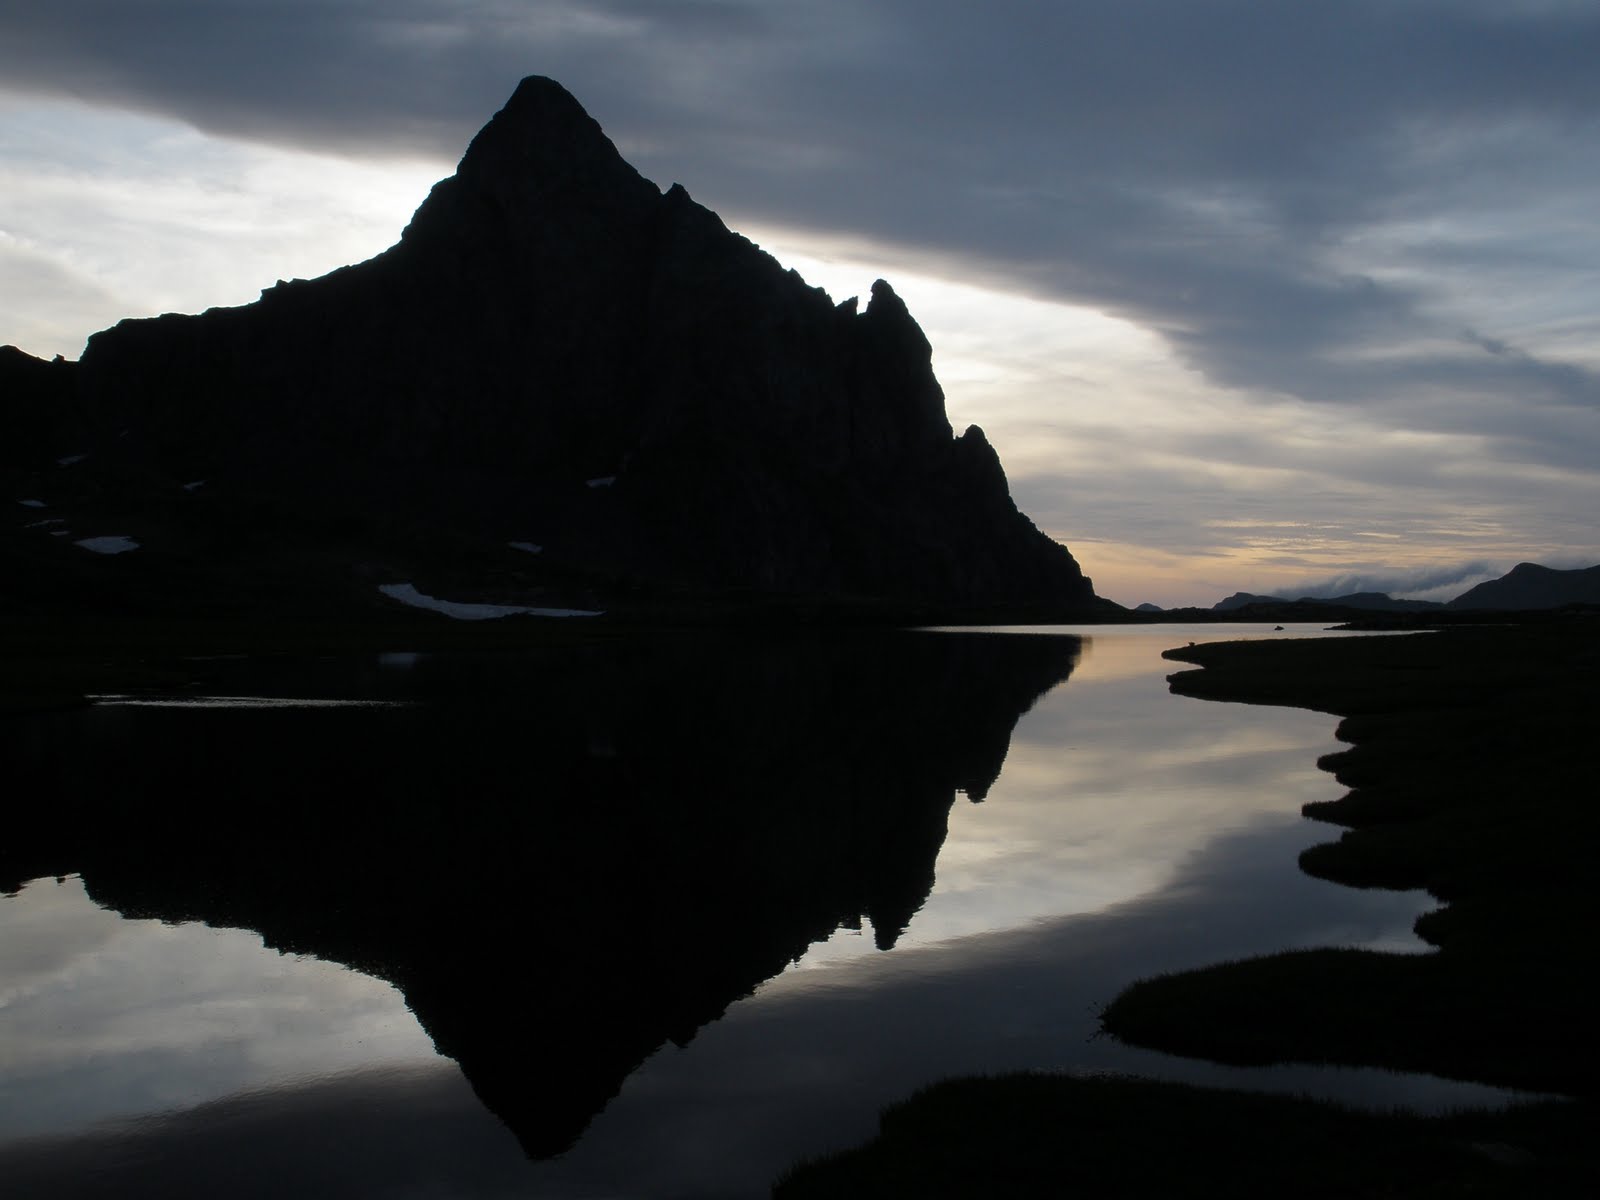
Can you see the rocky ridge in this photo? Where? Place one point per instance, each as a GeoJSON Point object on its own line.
{"type": "Point", "coordinates": [559, 380]}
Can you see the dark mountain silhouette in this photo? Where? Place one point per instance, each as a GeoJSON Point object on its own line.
{"type": "Point", "coordinates": [555, 354]}
{"type": "Point", "coordinates": [38, 409]}
{"type": "Point", "coordinates": [563, 859]}
{"type": "Point", "coordinates": [1240, 599]}
{"type": "Point", "coordinates": [1530, 586]}
{"type": "Point", "coordinates": [1371, 601]}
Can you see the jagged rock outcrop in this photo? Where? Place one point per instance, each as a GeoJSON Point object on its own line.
{"type": "Point", "coordinates": [557, 352]}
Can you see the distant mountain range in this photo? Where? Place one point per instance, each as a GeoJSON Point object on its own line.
{"type": "Point", "coordinates": [1374, 601]}
{"type": "Point", "coordinates": [1527, 587]}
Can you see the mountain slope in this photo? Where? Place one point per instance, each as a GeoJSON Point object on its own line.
{"type": "Point", "coordinates": [1530, 586]}
{"type": "Point", "coordinates": [559, 355]}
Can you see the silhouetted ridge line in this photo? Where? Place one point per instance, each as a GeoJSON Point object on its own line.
{"type": "Point", "coordinates": [1530, 586]}
{"type": "Point", "coordinates": [557, 353]}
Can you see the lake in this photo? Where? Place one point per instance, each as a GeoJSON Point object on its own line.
{"type": "Point", "coordinates": [642, 917]}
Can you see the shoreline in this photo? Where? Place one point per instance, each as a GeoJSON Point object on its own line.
{"type": "Point", "coordinates": [1470, 776]}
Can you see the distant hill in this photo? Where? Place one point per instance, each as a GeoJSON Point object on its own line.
{"type": "Point", "coordinates": [1371, 601]}
{"type": "Point", "coordinates": [1147, 607]}
{"type": "Point", "coordinates": [1240, 599]}
{"type": "Point", "coordinates": [1526, 586]}
{"type": "Point", "coordinates": [1530, 586]}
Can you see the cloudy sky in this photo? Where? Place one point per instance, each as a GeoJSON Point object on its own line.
{"type": "Point", "coordinates": [1249, 295]}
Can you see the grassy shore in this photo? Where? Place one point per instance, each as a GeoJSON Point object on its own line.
{"type": "Point", "coordinates": [1471, 767]}
{"type": "Point", "coordinates": [55, 659]}
{"type": "Point", "coordinates": [1471, 774]}
{"type": "Point", "coordinates": [1035, 1135]}
{"type": "Point", "coordinates": [56, 662]}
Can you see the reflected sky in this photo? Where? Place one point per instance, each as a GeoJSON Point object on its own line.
{"type": "Point", "coordinates": [1131, 831]}
{"type": "Point", "coordinates": [103, 1017]}
{"type": "Point", "coordinates": [1111, 783]}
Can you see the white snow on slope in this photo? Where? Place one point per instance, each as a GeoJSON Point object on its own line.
{"type": "Point", "coordinates": [31, 503]}
{"type": "Point", "coordinates": [70, 459]}
{"type": "Point", "coordinates": [530, 547]}
{"type": "Point", "coordinates": [602, 481]}
{"type": "Point", "coordinates": [407, 594]}
{"type": "Point", "coordinates": [111, 544]}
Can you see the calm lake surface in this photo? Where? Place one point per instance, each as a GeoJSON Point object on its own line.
{"type": "Point", "coordinates": [649, 919]}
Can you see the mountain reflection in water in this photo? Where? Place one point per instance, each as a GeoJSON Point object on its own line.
{"type": "Point", "coordinates": [562, 860]}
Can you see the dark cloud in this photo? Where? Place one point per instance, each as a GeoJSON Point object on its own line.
{"type": "Point", "coordinates": [1211, 170]}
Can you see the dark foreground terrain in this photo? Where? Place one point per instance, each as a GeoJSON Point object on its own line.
{"type": "Point", "coordinates": [1471, 774]}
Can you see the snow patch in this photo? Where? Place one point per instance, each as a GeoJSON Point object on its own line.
{"type": "Point", "coordinates": [46, 521]}
{"type": "Point", "coordinates": [530, 547]}
{"type": "Point", "coordinates": [32, 503]}
{"type": "Point", "coordinates": [113, 544]}
{"type": "Point", "coordinates": [198, 483]}
{"type": "Point", "coordinates": [602, 481]}
{"type": "Point", "coordinates": [70, 459]}
{"type": "Point", "coordinates": [407, 594]}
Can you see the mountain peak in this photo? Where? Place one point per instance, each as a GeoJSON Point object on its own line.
{"type": "Point", "coordinates": [542, 151]}
{"type": "Point", "coordinates": [558, 354]}
{"type": "Point", "coordinates": [541, 114]}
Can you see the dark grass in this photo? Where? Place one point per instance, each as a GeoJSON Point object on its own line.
{"type": "Point", "coordinates": [1472, 765]}
{"type": "Point", "coordinates": [55, 662]}
{"type": "Point", "coordinates": [51, 660]}
{"type": "Point", "coordinates": [1049, 1135]}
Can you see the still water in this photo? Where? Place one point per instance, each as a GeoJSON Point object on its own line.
{"type": "Point", "coordinates": [637, 919]}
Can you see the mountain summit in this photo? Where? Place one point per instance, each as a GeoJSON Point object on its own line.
{"type": "Point", "coordinates": [562, 378]}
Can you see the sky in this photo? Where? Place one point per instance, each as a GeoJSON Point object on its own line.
{"type": "Point", "coordinates": [1293, 297]}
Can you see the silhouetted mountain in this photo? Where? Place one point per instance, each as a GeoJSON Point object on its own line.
{"type": "Point", "coordinates": [555, 355]}
{"type": "Point", "coordinates": [564, 858]}
{"type": "Point", "coordinates": [1530, 586]}
{"type": "Point", "coordinates": [1240, 599]}
{"type": "Point", "coordinates": [1149, 608]}
{"type": "Point", "coordinates": [1369, 601]}
{"type": "Point", "coordinates": [38, 407]}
